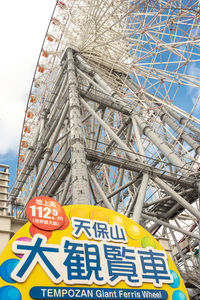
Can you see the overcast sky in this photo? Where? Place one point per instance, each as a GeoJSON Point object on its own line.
{"type": "Point", "coordinates": [23, 26]}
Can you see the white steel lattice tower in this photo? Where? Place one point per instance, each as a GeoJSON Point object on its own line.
{"type": "Point", "coordinates": [105, 121]}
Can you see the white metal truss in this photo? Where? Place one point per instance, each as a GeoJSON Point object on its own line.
{"type": "Point", "coordinates": [105, 121]}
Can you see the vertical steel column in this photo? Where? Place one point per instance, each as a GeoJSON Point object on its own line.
{"type": "Point", "coordinates": [140, 199]}
{"type": "Point", "coordinates": [179, 249]}
{"type": "Point", "coordinates": [145, 179]}
{"type": "Point", "coordinates": [101, 192]}
{"type": "Point", "coordinates": [121, 174]}
{"type": "Point", "coordinates": [80, 183]}
{"type": "Point", "coordinates": [138, 139]}
{"type": "Point", "coordinates": [66, 188]}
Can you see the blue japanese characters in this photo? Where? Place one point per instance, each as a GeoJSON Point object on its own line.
{"type": "Point", "coordinates": [86, 262]}
{"type": "Point", "coordinates": [98, 230]}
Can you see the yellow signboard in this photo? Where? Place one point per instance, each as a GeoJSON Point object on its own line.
{"type": "Point", "coordinates": [95, 254]}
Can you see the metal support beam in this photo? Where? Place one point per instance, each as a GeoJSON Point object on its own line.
{"type": "Point", "coordinates": [137, 166]}
{"type": "Point", "coordinates": [177, 197]}
{"type": "Point", "coordinates": [195, 145]}
{"type": "Point", "coordinates": [157, 201]}
{"type": "Point", "coordinates": [138, 139]}
{"type": "Point", "coordinates": [131, 205]}
{"type": "Point", "coordinates": [184, 121]}
{"type": "Point", "coordinates": [100, 191]}
{"type": "Point", "coordinates": [80, 183]}
{"type": "Point", "coordinates": [99, 130]}
{"type": "Point", "coordinates": [106, 102]}
{"type": "Point", "coordinates": [140, 199]}
{"type": "Point", "coordinates": [157, 101]}
{"type": "Point", "coordinates": [166, 224]}
{"type": "Point", "coordinates": [41, 140]}
{"type": "Point", "coordinates": [121, 175]}
{"type": "Point", "coordinates": [131, 155]}
{"type": "Point", "coordinates": [121, 188]}
{"type": "Point", "coordinates": [102, 84]}
{"type": "Point", "coordinates": [48, 152]}
{"type": "Point", "coordinates": [164, 113]}
{"type": "Point", "coordinates": [179, 249]}
{"type": "Point", "coordinates": [120, 130]}
{"type": "Point", "coordinates": [170, 155]}
{"type": "Point", "coordinates": [66, 188]}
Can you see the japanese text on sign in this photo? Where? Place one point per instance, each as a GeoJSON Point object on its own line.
{"type": "Point", "coordinates": [45, 213]}
{"type": "Point", "coordinates": [98, 230]}
{"type": "Point", "coordinates": [87, 262]}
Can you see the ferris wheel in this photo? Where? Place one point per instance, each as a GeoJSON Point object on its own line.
{"type": "Point", "coordinates": [111, 119]}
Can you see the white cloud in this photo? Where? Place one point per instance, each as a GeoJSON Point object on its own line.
{"type": "Point", "coordinates": [194, 92]}
{"type": "Point", "coordinates": [23, 26]}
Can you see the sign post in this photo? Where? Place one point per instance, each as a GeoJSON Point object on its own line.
{"type": "Point", "coordinates": [85, 252]}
